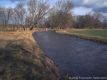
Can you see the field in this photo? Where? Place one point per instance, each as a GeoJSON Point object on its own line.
{"type": "Point", "coordinates": [92, 34]}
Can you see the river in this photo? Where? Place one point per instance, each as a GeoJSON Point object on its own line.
{"type": "Point", "coordinates": [75, 56]}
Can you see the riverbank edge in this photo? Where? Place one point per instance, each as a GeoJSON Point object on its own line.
{"type": "Point", "coordinates": [83, 36]}
{"type": "Point", "coordinates": [41, 50]}
{"type": "Point", "coordinates": [50, 62]}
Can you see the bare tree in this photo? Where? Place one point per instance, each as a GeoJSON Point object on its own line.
{"type": "Point", "coordinates": [1, 15]}
{"type": "Point", "coordinates": [64, 6]}
{"type": "Point", "coordinates": [5, 14]}
{"type": "Point", "coordinates": [8, 15]}
{"type": "Point", "coordinates": [37, 11]}
{"type": "Point", "coordinates": [89, 21]}
{"type": "Point", "coordinates": [61, 16]}
{"type": "Point", "coordinates": [19, 14]}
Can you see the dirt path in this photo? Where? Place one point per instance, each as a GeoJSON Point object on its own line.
{"type": "Point", "coordinates": [75, 56]}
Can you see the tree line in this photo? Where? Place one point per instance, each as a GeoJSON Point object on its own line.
{"type": "Point", "coordinates": [43, 14]}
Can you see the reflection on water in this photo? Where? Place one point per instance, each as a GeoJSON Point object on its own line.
{"type": "Point", "coordinates": [73, 55]}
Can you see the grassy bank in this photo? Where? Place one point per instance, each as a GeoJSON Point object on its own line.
{"type": "Point", "coordinates": [90, 32]}
{"type": "Point", "coordinates": [22, 59]}
{"type": "Point", "coordinates": [99, 35]}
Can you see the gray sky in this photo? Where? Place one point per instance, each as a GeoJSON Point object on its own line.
{"type": "Point", "coordinates": [81, 7]}
{"type": "Point", "coordinates": [91, 5]}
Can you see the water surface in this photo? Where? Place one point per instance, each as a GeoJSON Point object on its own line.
{"type": "Point", "coordinates": [75, 56]}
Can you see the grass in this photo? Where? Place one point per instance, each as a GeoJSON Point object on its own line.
{"type": "Point", "coordinates": [22, 59]}
{"type": "Point", "coordinates": [90, 32]}
{"type": "Point", "coordinates": [99, 35]}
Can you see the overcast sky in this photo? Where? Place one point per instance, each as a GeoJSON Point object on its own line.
{"type": "Point", "coordinates": [85, 6]}
{"type": "Point", "coordinates": [81, 7]}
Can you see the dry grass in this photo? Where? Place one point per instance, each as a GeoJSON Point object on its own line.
{"type": "Point", "coordinates": [22, 59]}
